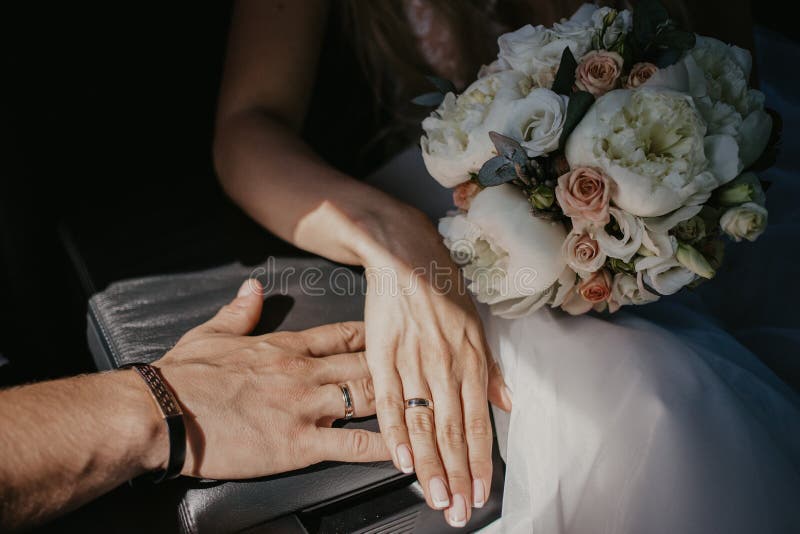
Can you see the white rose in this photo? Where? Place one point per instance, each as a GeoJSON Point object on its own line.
{"type": "Point", "coordinates": [665, 274]}
{"type": "Point", "coordinates": [747, 221]}
{"type": "Point", "coordinates": [456, 143]}
{"type": "Point", "coordinates": [510, 254]}
{"type": "Point", "coordinates": [536, 51]}
{"type": "Point", "coordinates": [654, 144]}
{"type": "Point", "coordinates": [629, 290]}
{"type": "Point", "coordinates": [536, 121]}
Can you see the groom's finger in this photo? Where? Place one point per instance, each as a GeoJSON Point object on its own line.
{"type": "Point", "coordinates": [341, 368]}
{"type": "Point", "coordinates": [240, 316]}
{"type": "Point", "coordinates": [334, 338]}
{"type": "Point", "coordinates": [329, 401]}
{"type": "Point", "coordinates": [347, 445]}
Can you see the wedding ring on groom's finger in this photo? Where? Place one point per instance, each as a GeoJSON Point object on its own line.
{"type": "Point", "coordinates": [349, 411]}
{"type": "Point", "coordinates": [419, 403]}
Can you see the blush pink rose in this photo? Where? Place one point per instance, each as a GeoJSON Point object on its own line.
{"type": "Point", "coordinates": [582, 253]}
{"type": "Point", "coordinates": [585, 193]}
{"type": "Point", "coordinates": [464, 193]}
{"type": "Point", "coordinates": [592, 293]}
{"type": "Point", "coordinates": [599, 72]}
{"type": "Point", "coordinates": [640, 73]}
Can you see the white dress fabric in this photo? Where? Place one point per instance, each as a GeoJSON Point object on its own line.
{"type": "Point", "coordinates": [662, 418]}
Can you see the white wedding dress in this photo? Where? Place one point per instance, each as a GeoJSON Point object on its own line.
{"type": "Point", "coordinates": [662, 418]}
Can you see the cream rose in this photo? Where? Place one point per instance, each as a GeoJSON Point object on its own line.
{"type": "Point", "coordinates": [629, 290]}
{"type": "Point", "coordinates": [599, 72]}
{"type": "Point", "coordinates": [584, 194]}
{"type": "Point", "coordinates": [654, 144]}
{"type": "Point", "coordinates": [582, 253]}
{"type": "Point", "coordinates": [536, 121]}
{"type": "Point", "coordinates": [747, 221]}
{"type": "Point", "coordinates": [510, 257]}
{"type": "Point", "coordinates": [640, 73]}
{"type": "Point", "coordinates": [665, 273]}
{"type": "Point", "coordinates": [456, 143]}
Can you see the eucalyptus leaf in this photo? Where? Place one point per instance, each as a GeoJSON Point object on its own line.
{"type": "Point", "coordinates": [648, 17]}
{"type": "Point", "coordinates": [428, 99]}
{"type": "Point", "coordinates": [442, 85]}
{"type": "Point", "coordinates": [579, 104]}
{"type": "Point", "coordinates": [565, 76]}
{"type": "Point", "coordinates": [510, 148]}
{"type": "Point", "coordinates": [496, 171]}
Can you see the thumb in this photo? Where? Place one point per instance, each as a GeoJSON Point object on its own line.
{"type": "Point", "coordinates": [348, 445]}
{"type": "Point", "coordinates": [241, 315]}
{"type": "Point", "coordinates": [498, 392]}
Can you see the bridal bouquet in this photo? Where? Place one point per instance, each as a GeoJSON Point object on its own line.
{"type": "Point", "coordinates": [599, 163]}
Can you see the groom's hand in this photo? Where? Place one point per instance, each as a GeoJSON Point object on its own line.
{"type": "Point", "coordinates": [259, 405]}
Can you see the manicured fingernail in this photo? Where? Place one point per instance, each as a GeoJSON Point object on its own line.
{"type": "Point", "coordinates": [438, 493]}
{"type": "Point", "coordinates": [457, 514]}
{"type": "Point", "coordinates": [246, 289]}
{"type": "Point", "coordinates": [404, 459]}
{"type": "Point", "coordinates": [478, 493]}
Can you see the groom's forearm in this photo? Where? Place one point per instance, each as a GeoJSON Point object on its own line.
{"type": "Point", "coordinates": [65, 442]}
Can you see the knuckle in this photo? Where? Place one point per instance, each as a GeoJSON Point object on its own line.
{"type": "Point", "coordinates": [452, 435]}
{"type": "Point", "coordinates": [297, 364]}
{"type": "Point", "coordinates": [368, 391]}
{"type": "Point", "coordinates": [428, 465]}
{"type": "Point", "coordinates": [479, 428]}
{"type": "Point", "coordinates": [348, 332]}
{"type": "Point", "coordinates": [360, 442]}
{"type": "Point", "coordinates": [389, 403]}
{"type": "Point", "coordinates": [420, 424]}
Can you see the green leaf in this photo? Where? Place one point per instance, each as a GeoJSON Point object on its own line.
{"type": "Point", "coordinates": [442, 85]}
{"type": "Point", "coordinates": [496, 171]}
{"type": "Point", "coordinates": [510, 148]}
{"type": "Point", "coordinates": [648, 16]}
{"type": "Point", "coordinates": [565, 77]}
{"type": "Point", "coordinates": [579, 104]}
{"type": "Point", "coordinates": [428, 99]}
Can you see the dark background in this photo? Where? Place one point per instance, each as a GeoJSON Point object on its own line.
{"type": "Point", "coordinates": [108, 174]}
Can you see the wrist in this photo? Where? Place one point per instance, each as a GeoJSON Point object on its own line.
{"type": "Point", "coordinates": [146, 430]}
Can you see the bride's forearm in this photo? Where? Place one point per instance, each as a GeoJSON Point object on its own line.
{"type": "Point", "coordinates": [279, 181]}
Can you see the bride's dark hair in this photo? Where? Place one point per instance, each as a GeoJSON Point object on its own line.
{"type": "Point", "coordinates": [390, 53]}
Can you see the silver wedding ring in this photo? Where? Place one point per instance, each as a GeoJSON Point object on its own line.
{"type": "Point", "coordinates": [349, 411]}
{"type": "Point", "coordinates": [419, 403]}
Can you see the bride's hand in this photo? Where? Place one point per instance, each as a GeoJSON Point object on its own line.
{"type": "Point", "coordinates": [424, 340]}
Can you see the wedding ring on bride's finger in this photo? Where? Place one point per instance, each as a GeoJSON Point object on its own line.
{"type": "Point", "coordinates": [419, 403]}
{"type": "Point", "coordinates": [349, 411]}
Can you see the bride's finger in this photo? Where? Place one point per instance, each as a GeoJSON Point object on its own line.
{"type": "Point", "coordinates": [422, 432]}
{"type": "Point", "coordinates": [478, 428]}
{"type": "Point", "coordinates": [329, 402]}
{"type": "Point", "coordinates": [452, 444]}
{"type": "Point", "coordinates": [389, 408]}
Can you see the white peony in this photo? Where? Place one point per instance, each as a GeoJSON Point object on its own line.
{"type": "Point", "coordinates": [653, 143]}
{"type": "Point", "coordinates": [724, 97]}
{"type": "Point", "coordinates": [512, 259]}
{"type": "Point", "coordinates": [456, 143]}
{"type": "Point", "coordinates": [747, 221]}
{"type": "Point", "coordinates": [536, 51]}
{"type": "Point", "coordinates": [536, 121]}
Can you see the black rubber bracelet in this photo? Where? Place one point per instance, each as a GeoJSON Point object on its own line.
{"type": "Point", "coordinates": [173, 418]}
